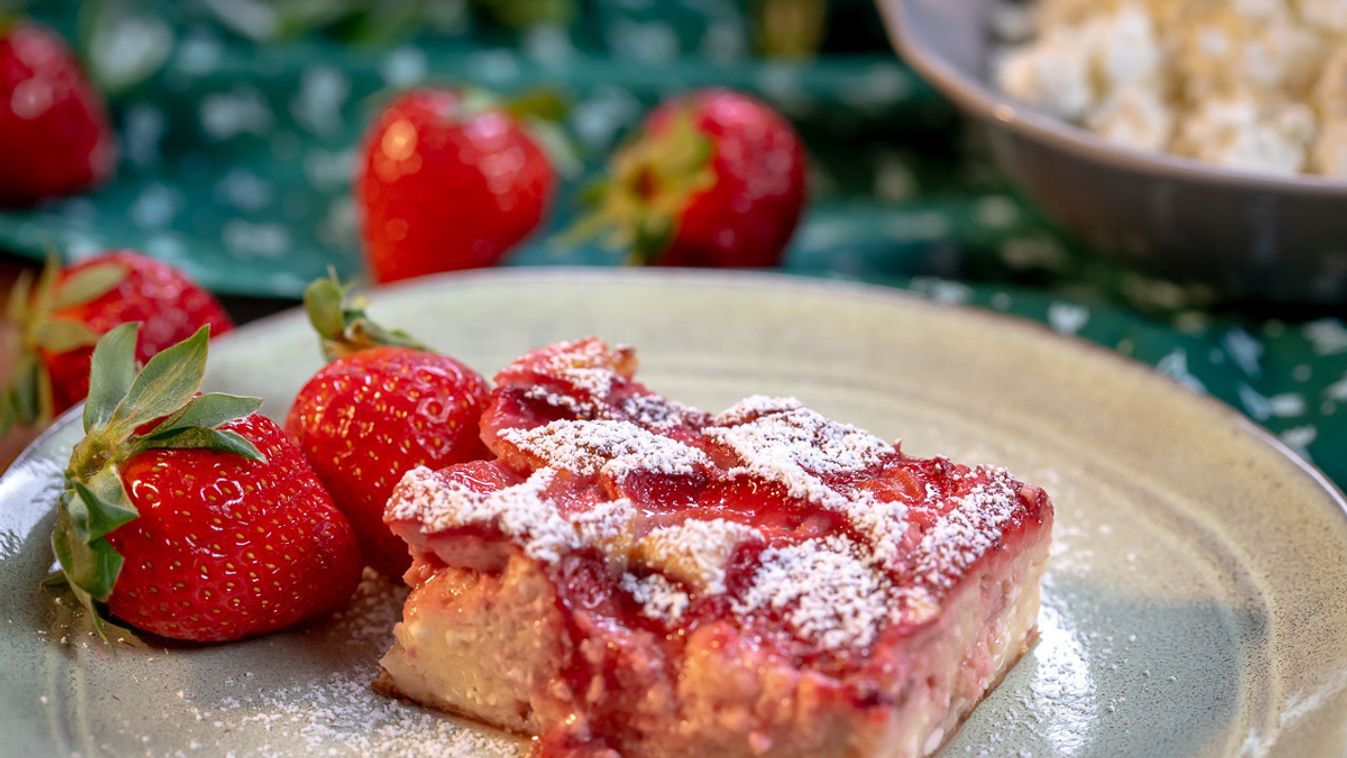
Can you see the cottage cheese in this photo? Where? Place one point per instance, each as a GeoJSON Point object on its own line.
{"type": "Point", "coordinates": [1251, 84]}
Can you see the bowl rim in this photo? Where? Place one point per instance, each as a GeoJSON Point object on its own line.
{"type": "Point", "coordinates": [989, 104]}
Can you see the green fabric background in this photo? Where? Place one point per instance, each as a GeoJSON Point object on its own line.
{"type": "Point", "coordinates": [237, 160]}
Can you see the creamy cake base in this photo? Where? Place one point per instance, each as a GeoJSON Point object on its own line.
{"type": "Point", "coordinates": [491, 647]}
{"type": "Point", "coordinates": [632, 576]}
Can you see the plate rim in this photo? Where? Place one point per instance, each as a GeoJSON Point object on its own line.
{"type": "Point", "coordinates": [789, 280]}
{"type": "Point", "coordinates": [786, 281]}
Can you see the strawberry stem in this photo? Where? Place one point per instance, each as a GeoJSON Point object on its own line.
{"type": "Point", "coordinates": [121, 401]}
{"type": "Point", "coordinates": [651, 181]}
{"type": "Point", "coordinates": [342, 324]}
{"type": "Point", "coordinates": [34, 329]}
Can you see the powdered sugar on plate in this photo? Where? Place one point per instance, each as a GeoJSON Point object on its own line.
{"type": "Point", "coordinates": [336, 712]}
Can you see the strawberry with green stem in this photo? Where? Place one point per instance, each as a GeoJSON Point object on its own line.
{"type": "Point", "coordinates": [188, 515]}
{"type": "Point", "coordinates": [383, 405]}
{"type": "Point", "coordinates": [54, 321]}
{"type": "Point", "coordinates": [713, 178]}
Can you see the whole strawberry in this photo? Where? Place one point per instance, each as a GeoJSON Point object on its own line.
{"type": "Point", "coordinates": [59, 320]}
{"type": "Point", "coordinates": [54, 133]}
{"type": "Point", "coordinates": [447, 181]}
{"type": "Point", "coordinates": [713, 178]}
{"type": "Point", "coordinates": [384, 405]}
{"type": "Point", "coordinates": [191, 516]}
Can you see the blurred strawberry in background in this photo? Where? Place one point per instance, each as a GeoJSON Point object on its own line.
{"type": "Point", "coordinates": [713, 178]}
{"type": "Point", "coordinates": [52, 324]}
{"type": "Point", "coordinates": [55, 137]}
{"type": "Point", "coordinates": [448, 180]}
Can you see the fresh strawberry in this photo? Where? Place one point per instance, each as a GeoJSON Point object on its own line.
{"type": "Point", "coordinates": [713, 178]}
{"type": "Point", "coordinates": [59, 322]}
{"type": "Point", "coordinates": [189, 515]}
{"type": "Point", "coordinates": [54, 132]}
{"type": "Point", "coordinates": [448, 181]}
{"type": "Point", "coordinates": [384, 405]}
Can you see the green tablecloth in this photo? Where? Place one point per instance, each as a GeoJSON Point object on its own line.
{"type": "Point", "coordinates": [237, 159]}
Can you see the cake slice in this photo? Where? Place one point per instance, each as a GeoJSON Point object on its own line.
{"type": "Point", "coordinates": [635, 576]}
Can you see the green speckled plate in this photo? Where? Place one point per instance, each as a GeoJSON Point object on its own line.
{"type": "Point", "coordinates": [1196, 603]}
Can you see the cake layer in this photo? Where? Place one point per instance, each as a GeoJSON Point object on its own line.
{"type": "Point", "coordinates": [494, 648]}
{"type": "Point", "coordinates": [637, 574]}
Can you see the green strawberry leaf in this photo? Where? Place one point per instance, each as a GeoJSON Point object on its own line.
{"type": "Point", "coordinates": [323, 301]}
{"type": "Point", "coordinates": [93, 517]}
{"type": "Point", "coordinates": [165, 385]}
{"type": "Point", "coordinates": [383, 24]}
{"type": "Point", "coordinates": [202, 438]}
{"type": "Point", "coordinates": [25, 392]}
{"type": "Point", "coordinates": [57, 581]}
{"type": "Point", "coordinates": [541, 103]}
{"type": "Point", "coordinates": [91, 567]}
{"type": "Point", "coordinates": [20, 298]}
{"type": "Point", "coordinates": [106, 485]}
{"type": "Point", "coordinates": [111, 372]}
{"type": "Point", "coordinates": [654, 233]}
{"type": "Point", "coordinates": [46, 284]}
{"type": "Point", "coordinates": [556, 145]}
{"type": "Point", "coordinates": [518, 16]}
{"type": "Point", "coordinates": [210, 411]}
{"type": "Point", "coordinates": [343, 326]}
{"type": "Point", "coordinates": [9, 416]}
{"type": "Point", "coordinates": [59, 335]}
{"type": "Point", "coordinates": [88, 284]}
{"type": "Point", "coordinates": [791, 29]}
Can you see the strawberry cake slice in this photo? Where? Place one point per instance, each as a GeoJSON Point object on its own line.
{"type": "Point", "coordinates": [633, 576]}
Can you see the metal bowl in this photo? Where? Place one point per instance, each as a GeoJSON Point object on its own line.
{"type": "Point", "coordinates": [1249, 235]}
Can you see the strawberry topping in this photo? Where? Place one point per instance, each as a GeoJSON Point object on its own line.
{"type": "Point", "coordinates": [813, 536]}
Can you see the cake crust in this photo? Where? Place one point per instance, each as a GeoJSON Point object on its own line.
{"type": "Point", "coordinates": [634, 575]}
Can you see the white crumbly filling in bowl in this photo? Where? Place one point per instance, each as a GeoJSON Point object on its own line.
{"type": "Point", "coordinates": [1251, 84]}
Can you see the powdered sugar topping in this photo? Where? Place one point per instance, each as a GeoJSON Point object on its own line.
{"type": "Point", "coordinates": [954, 543]}
{"type": "Point", "coordinates": [834, 591]}
{"type": "Point", "coordinates": [614, 448]}
{"type": "Point", "coordinates": [780, 440]}
{"type": "Point", "coordinates": [658, 597]}
{"type": "Point", "coordinates": [656, 412]}
{"type": "Point", "coordinates": [608, 527]}
{"type": "Point", "coordinates": [587, 366]}
{"type": "Point", "coordinates": [519, 511]}
{"type": "Point", "coordinates": [695, 551]}
{"type": "Point", "coordinates": [824, 588]}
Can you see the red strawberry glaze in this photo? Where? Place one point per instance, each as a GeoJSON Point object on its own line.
{"type": "Point", "coordinates": [566, 408]}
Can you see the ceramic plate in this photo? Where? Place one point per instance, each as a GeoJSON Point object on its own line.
{"type": "Point", "coordinates": [1196, 602]}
